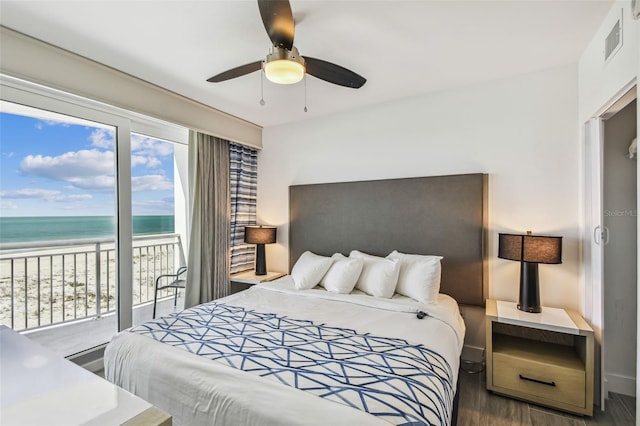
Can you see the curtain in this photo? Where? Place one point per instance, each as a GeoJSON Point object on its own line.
{"type": "Point", "coordinates": [208, 273]}
{"type": "Point", "coordinates": [244, 187]}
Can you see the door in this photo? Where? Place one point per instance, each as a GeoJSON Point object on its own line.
{"type": "Point", "coordinates": [593, 245]}
{"type": "Point", "coordinates": [66, 208]}
{"type": "Point", "coordinates": [595, 233]}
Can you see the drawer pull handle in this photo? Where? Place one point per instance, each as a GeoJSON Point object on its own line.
{"type": "Point", "coordinates": [542, 382]}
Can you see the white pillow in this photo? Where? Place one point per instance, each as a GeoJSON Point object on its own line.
{"type": "Point", "coordinates": [419, 276]}
{"type": "Point", "coordinates": [379, 275]}
{"type": "Point", "coordinates": [343, 274]}
{"type": "Point", "coordinates": [309, 270]}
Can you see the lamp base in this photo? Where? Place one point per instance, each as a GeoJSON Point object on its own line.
{"type": "Point", "coordinates": [261, 261]}
{"type": "Point", "coordinates": [529, 309]}
{"type": "Point", "coordinates": [529, 300]}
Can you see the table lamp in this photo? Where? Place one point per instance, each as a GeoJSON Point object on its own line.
{"type": "Point", "coordinates": [530, 250]}
{"type": "Point", "coordinates": [260, 235]}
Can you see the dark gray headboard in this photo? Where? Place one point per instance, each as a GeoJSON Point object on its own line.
{"type": "Point", "coordinates": [440, 215]}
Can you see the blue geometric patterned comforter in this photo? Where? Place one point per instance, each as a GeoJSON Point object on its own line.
{"type": "Point", "coordinates": [402, 383]}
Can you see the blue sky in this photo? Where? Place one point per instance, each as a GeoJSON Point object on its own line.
{"type": "Point", "coordinates": [55, 168]}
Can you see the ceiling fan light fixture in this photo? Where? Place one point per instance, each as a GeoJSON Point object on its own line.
{"type": "Point", "coordinates": [284, 66]}
{"type": "Point", "coordinates": [284, 71]}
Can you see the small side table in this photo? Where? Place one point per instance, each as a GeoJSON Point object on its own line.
{"type": "Point", "coordinates": [545, 358]}
{"type": "Point", "coordinates": [243, 280]}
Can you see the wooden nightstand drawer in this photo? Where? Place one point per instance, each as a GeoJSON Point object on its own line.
{"type": "Point", "coordinates": [545, 358]}
{"type": "Point", "coordinates": [539, 380]}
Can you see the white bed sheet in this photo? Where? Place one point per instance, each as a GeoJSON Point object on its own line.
{"type": "Point", "coordinates": [196, 390]}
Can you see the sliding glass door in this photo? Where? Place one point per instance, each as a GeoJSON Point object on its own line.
{"type": "Point", "coordinates": [65, 221]}
{"type": "Point", "coordinates": [92, 212]}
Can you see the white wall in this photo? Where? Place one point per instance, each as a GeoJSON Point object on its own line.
{"type": "Point", "coordinates": [598, 81]}
{"type": "Point", "coordinates": [521, 131]}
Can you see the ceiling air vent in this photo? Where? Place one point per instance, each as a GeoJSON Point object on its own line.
{"type": "Point", "coordinates": [613, 42]}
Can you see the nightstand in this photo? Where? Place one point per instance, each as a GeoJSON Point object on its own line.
{"type": "Point", "coordinates": [544, 358]}
{"type": "Point", "coordinates": [243, 280]}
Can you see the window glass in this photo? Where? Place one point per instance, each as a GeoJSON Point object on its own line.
{"type": "Point", "coordinates": [157, 248]}
{"type": "Point", "coordinates": [57, 221]}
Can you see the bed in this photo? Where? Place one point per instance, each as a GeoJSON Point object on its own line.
{"type": "Point", "coordinates": [276, 354]}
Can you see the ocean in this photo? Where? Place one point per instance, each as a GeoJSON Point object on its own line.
{"type": "Point", "coordinates": [29, 229]}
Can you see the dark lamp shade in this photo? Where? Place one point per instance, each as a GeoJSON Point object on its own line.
{"type": "Point", "coordinates": [259, 234]}
{"type": "Point", "coordinates": [530, 248]}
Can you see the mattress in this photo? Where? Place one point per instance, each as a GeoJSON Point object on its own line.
{"type": "Point", "coordinates": [274, 355]}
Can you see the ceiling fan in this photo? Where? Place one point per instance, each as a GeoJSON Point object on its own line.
{"type": "Point", "coordinates": [284, 65]}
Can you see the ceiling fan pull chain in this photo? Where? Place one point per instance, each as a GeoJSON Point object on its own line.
{"type": "Point", "coordinates": [262, 102]}
{"type": "Point", "coordinates": [305, 94]}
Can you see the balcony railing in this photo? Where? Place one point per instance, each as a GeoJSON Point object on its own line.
{"type": "Point", "coordinates": [52, 282]}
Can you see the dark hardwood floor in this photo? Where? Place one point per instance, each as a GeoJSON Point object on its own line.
{"type": "Point", "coordinates": [478, 407]}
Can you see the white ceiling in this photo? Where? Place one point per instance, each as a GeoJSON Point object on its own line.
{"type": "Point", "coordinates": [403, 48]}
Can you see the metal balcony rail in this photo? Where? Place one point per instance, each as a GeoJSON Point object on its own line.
{"type": "Point", "coordinates": [53, 282]}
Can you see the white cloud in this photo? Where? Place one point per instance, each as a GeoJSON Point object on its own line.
{"type": "Point", "coordinates": [144, 150]}
{"type": "Point", "coordinates": [93, 169]}
{"type": "Point", "coordinates": [85, 169]}
{"type": "Point", "coordinates": [102, 138]}
{"type": "Point", "coordinates": [164, 205]}
{"type": "Point", "coordinates": [143, 145]}
{"type": "Point", "coordinates": [71, 197]}
{"type": "Point", "coordinates": [28, 193]}
{"type": "Point", "coordinates": [137, 160]}
{"type": "Point", "coordinates": [150, 162]}
{"type": "Point", "coordinates": [153, 162]}
{"type": "Point", "coordinates": [99, 183]}
{"type": "Point", "coordinates": [150, 183]}
{"type": "Point", "coordinates": [8, 205]}
{"type": "Point", "coordinates": [44, 194]}
{"type": "Point", "coordinates": [70, 164]}
{"type": "Point", "coordinates": [42, 123]}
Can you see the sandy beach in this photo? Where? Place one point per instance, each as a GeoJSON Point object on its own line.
{"type": "Point", "coordinates": [69, 284]}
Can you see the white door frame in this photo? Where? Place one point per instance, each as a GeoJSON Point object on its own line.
{"type": "Point", "coordinates": [592, 253]}
{"type": "Point", "coordinates": [592, 249]}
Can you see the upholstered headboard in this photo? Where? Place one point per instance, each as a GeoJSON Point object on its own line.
{"type": "Point", "coordinates": [440, 215]}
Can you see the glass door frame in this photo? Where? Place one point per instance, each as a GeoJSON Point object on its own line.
{"type": "Point", "coordinates": [28, 94]}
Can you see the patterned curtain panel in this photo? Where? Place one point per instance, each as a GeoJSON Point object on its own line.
{"type": "Point", "coordinates": [243, 164]}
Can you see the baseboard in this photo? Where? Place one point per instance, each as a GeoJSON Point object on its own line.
{"type": "Point", "coordinates": [472, 353]}
{"type": "Point", "coordinates": [618, 383]}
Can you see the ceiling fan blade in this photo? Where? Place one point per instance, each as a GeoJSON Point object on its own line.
{"type": "Point", "coordinates": [278, 21]}
{"type": "Point", "coordinates": [333, 73]}
{"type": "Point", "coordinates": [236, 72]}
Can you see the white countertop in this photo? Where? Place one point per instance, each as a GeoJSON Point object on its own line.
{"type": "Point", "coordinates": [552, 319]}
{"type": "Point", "coordinates": [38, 387]}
